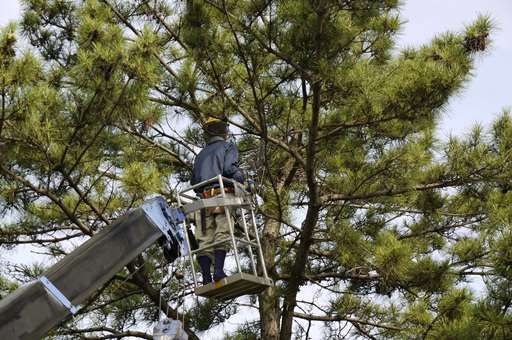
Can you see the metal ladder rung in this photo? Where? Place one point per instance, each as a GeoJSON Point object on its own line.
{"type": "Point", "coordinates": [214, 202]}
{"type": "Point", "coordinates": [234, 286]}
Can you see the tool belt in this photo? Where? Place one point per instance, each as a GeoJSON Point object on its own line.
{"type": "Point", "coordinates": [211, 192]}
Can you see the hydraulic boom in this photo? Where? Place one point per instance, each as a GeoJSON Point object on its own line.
{"type": "Point", "coordinates": [35, 308]}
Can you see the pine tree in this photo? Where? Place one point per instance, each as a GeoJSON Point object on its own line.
{"type": "Point", "coordinates": [337, 127]}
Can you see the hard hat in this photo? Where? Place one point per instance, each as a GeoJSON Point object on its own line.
{"type": "Point", "coordinates": [215, 127]}
{"type": "Point", "coordinates": [212, 120]}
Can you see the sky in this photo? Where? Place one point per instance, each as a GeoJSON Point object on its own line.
{"type": "Point", "coordinates": [485, 96]}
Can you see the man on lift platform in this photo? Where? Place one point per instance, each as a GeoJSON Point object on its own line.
{"type": "Point", "coordinates": [218, 157]}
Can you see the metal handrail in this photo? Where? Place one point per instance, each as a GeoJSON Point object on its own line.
{"type": "Point", "coordinates": [208, 181]}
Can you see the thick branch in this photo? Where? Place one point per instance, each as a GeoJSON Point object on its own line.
{"type": "Point", "coordinates": [115, 333]}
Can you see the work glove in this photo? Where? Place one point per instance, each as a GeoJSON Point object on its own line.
{"type": "Point", "coordinates": [250, 186]}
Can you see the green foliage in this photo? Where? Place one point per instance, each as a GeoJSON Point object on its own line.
{"type": "Point", "coordinates": [391, 257]}
{"type": "Point", "coordinates": [141, 177]}
{"type": "Point", "coordinates": [209, 313]}
{"type": "Point", "coordinates": [6, 287]}
{"type": "Point", "coordinates": [468, 249]}
{"type": "Point", "coordinates": [249, 331]}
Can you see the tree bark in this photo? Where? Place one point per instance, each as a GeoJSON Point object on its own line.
{"type": "Point", "coordinates": [269, 299]}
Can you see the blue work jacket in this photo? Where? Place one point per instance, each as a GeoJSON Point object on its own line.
{"type": "Point", "coordinates": [218, 157]}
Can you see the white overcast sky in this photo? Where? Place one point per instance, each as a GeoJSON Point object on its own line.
{"type": "Point", "coordinates": [485, 96]}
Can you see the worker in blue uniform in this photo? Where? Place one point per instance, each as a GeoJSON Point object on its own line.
{"type": "Point", "coordinates": [218, 157]}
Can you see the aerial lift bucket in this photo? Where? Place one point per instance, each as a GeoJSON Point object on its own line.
{"type": "Point", "coordinates": [239, 283]}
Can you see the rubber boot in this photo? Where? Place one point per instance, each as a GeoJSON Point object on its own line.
{"type": "Point", "coordinates": [220, 256]}
{"type": "Point", "coordinates": [205, 262]}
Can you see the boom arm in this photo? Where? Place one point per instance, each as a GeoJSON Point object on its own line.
{"type": "Point", "coordinates": [35, 308]}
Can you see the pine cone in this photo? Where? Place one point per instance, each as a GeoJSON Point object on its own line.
{"type": "Point", "coordinates": [475, 43]}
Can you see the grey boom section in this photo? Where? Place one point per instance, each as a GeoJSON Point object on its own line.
{"type": "Point", "coordinates": [32, 310]}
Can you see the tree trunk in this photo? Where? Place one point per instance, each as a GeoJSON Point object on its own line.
{"type": "Point", "coordinates": [309, 224]}
{"type": "Point", "coordinates": [269, 300]}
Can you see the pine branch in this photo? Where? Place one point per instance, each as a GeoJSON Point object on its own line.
{"type": "Point", "coordinates": [155, 296]}
{"type": "Point", "coordinates": [251, 75]}
{"type": "Point", "coordinates": [175, 102]}
{"type": "Point", "coordinates": [157, 145]}
{"type": "Point", "coordinates": [260, 39]}
{"type": "Point", "coordinates": [177, 140]}
{"type": "Point", "coordinates": [363, 331]}
{"type": "Point", "coordinates": [42, 241]}
{"type": "Point", "coordinates": [137, 33]}
{"type": "Point", "coordinates": [329, 198]}
{"type": "Point", "coordinates": [79, 127]}
{"type": "Point", "coordinates": [162, 21]}
{"type": "Point", "coordinates": [85, 199]}
{"type": "Point", "coordinates": [51, 196]}
{"type": "Point", "coordinates": [441, 228]}
{"type": "Point", "coordinates": [10, 233]}
{"type": "Point", "coordinates": [115, 333]}
{"type": "Point", "coordinates": [279, 219]}
{"type": "Point", "coordinates": [341, 318]}
{"type": "Point", "coordinates": [371, 206]}
{"type": "Point", "coordinates": [334, 275]}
